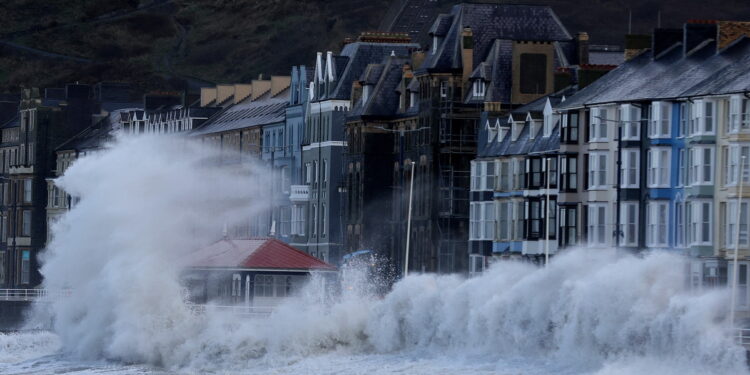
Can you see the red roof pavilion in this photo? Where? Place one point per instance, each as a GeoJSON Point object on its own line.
{"type": "Point", "coordinates": [256, 254]}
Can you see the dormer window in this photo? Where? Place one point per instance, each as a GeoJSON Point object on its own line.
{"type": "Point", "coordinates": [491, 131]}
{"type": "Point", "coordinates": [366, 93]}
{"type": "Point", "coordinates": [479, 88]}
{"type": "Point", "coordinates": [434, 44]}
{"type": "Point", "coordinates": [516, 131]}
{"type": "Point", "coordinates": [412, 99]}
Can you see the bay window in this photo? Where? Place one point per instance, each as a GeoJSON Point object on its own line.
{"type": "Point", "coordinates": [597, 224]}
{"type": "Point", "coordinates": [730, 219]}
{"type": "Point", "coordinates": [504, 214]}
{"type": "Point", "coordinates": [504, 177]}
{"type": "Point", "coordinates": [598, 125]}
{"type": "Point", "coordinates": [482, 175]}
{"type": "Point", "coordinates": [597, 170]}
{"type": "Point", "coordinates": [660, 120]}
{"type": "Point", "coordinates": [658, 167]}
{"type": "Point", "coordinates": [732, 159]}
{"type": "Point", "coordinates": [629, 224]}
{"type": "Point", "coordinates": [629, 171]}
{"type": "Point", "coordinates": [657, 216]}
{"type": "Point", "coordinates": [702, 117]}
{"type": "Point", "coordinates": [482, 221]}
{"type": "Point", "coordinates": [739, 114]}
{"type": "Point", "coordinates": [630, 118]}
{"type": "Point", "coordinates": [699, 217]}
{"type": "Point", "coordinates": [700, 162]}
{"type": "Point", "coordinates": [679, 215]}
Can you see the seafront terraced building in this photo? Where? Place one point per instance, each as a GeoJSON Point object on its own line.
{"type": "Point", "coordinates": [654, 148]}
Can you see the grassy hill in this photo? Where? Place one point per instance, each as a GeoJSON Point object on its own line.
{"type": "Point", "coordinates": [173, 44]}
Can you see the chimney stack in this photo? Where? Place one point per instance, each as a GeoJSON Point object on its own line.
{"type": "Point", "coordinates": [663, 39]}
{"type": "Point", "coordinates": [697, 32]}
{"type": "Point", "coordinates": [729, 31]}
{"type": "Point", "coordinates": [467, 53]}
{"type": "Point", "coordinates": [583, 48]}
{"type": "Point", "coordinates": [635, 44]}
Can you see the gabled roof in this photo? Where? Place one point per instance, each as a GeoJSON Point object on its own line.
{"type": "Point", "coordinates": [384, 99]}
{"type": "Point", "coordinates": [489, 22]}
{"type": "Point", "coordinates": [256, 253]}
{"type": "Point", "coordinates": [358, 56]}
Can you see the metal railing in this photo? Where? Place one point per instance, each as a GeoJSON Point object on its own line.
{"type": "Point", "coordinates": [742, 335]}
{"type": "Point", "coordinates": [247, 311]}
{"type": "Point", "coordinates": [31, 294]}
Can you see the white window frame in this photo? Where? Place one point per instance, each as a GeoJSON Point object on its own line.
{"type": "Point", "coordinates": [699, 222]}
{"type": "Point", "coordinates": [657, 224]}
{"type": "Point", "coordinates": [659, 162]}
{"type": "Point", "coordinates": [630, 169]}
{"type": "Point", "coordinates": [443, 89]}
{"type": "Point", "coordinates": [597, 171]}
{"type": "Point", "coordinates": [629, 224]}
{"type": "Point", "coordinates": [630, 119]}
{"type": "Point", "coordinates": [739, 114]}
{"type": "Point", "coordinates": [660, 121]}
{"type": "Point", "coordinates": [479, 88]}
{"type": "Point", "coordinates": [730, 218]}
{"type": "Point", "coordinates": [679, 215]}
{"type": "Point", "coordinates": [482, 221]}
{"type": "Point", "coordinates": [504, 218]}
{"type": "Point", "coordinates": [598, 125]}
{"type": "Point", "coordinates": [733, 157]}
{"type": "Point", "coordinates": [597, 224]}
{"type": "Point", "coordinates": [699, 117]}
{"type": "Point", "coordinates": [698, 165]}
{"type": "Point", "coordinates": [483, 175]}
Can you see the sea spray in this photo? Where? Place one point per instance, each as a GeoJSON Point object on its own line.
{"type": "Point", "coordinates": [148, 201]}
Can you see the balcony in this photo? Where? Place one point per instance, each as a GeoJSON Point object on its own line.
{"type": "Point", "coordinates": [300, 193]}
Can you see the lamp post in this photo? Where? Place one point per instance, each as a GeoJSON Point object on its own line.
{"type": "Point", "coordinates": [408, 222]}
{"type": "Point", "coordinates": [737, 243]}
{"type": "Point", "coordinates": [546, 215]}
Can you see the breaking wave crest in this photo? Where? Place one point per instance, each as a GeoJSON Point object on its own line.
{"type": "Point", "coordinates": [143, 209]}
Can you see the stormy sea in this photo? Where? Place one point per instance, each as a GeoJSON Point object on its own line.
{"type": "Point", "coordinates": [119, 252]}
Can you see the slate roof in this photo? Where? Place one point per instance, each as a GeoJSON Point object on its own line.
{"type": "Point", "coordinates": [13, 122]}
{"type": "Point", "coordinates": [245, 114]}
{"type": "Point", "coordinates": [256, 253]}
{"type": "Point", "coordinates": [384, 99]}
{"type": "Point", "coordinates": [441, 25]}
{"type": "Point", "coordinates": [93, 137]}
{"type": "Point", "coordinates": [672, 75]}
{"type": "Point", "coordinates": [522, 145]}
{"type": "Point", "coordinates": [358, 56]}
{"type": "Point", "coordinates": [489, 22]}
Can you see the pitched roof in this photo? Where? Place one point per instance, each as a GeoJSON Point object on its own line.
{"type": "Point", "coordinates": [247, 114]}
{"type": "Point", "coordinates": [256, 253]}
{"type": "Point", "coordinates": [672, 75]}
{"type": "Point", "coordinates": [489, 22]}
{"type": "Point", "coordinates": [358, 56]}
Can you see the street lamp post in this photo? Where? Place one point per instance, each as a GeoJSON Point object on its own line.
{"type": "Point", "coordinates": [408, 221]}
{"type": "Point", "coordinates": [546, 214]}
{"type": "Point", "coordinates": [737, 243]}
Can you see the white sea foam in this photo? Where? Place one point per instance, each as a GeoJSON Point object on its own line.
{"type": "Point", "coordinates": [148, 201]}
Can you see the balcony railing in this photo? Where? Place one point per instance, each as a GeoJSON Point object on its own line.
{"type": "Point", "coordinates": [31, 294]}
{"type": "Point", "coordinates": [300, 193]}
